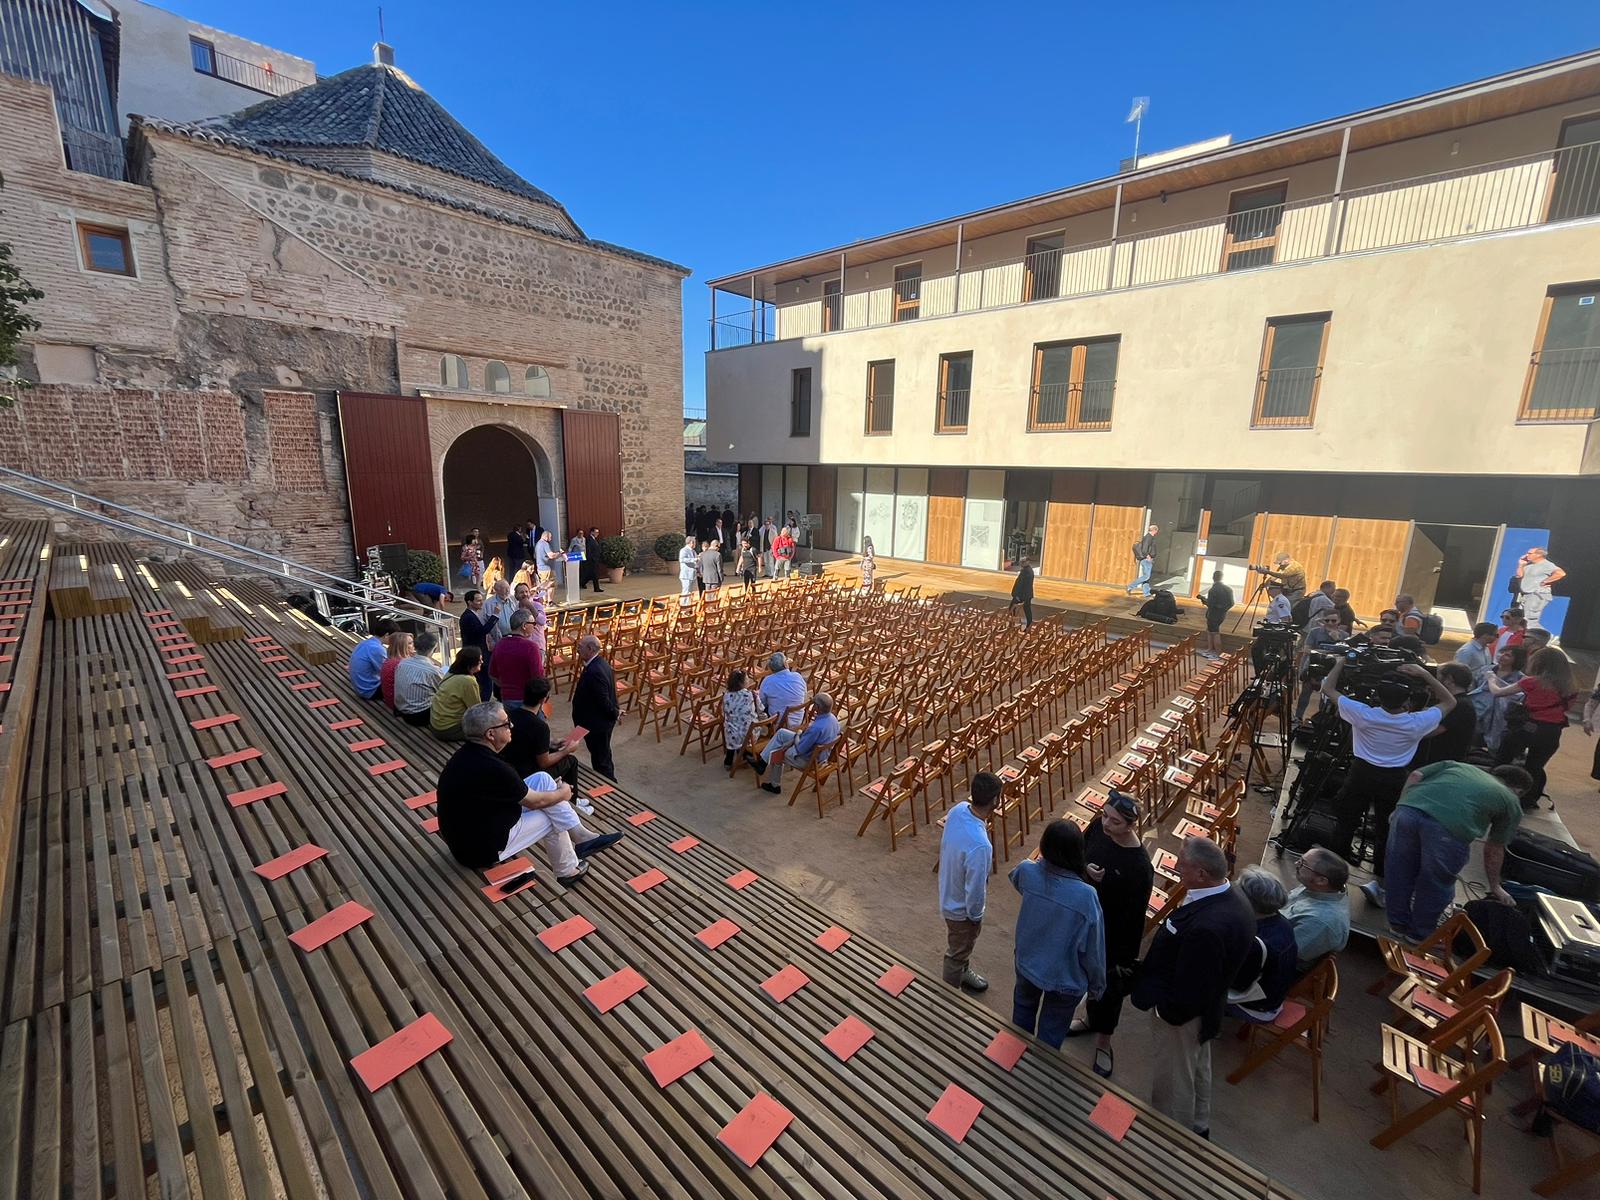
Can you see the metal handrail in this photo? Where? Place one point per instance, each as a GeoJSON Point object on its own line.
{"type": "Point", "coordinates": [1354, 220]}
{"type": "Point", "coordinates": [247, 558]}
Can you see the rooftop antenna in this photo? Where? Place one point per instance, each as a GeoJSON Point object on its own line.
{"type": "Point", "coordinates": [1141, 105]}
{"type": "Point", "coordinates": [381, 38]}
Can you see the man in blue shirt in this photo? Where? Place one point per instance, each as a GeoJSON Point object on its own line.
{"type": "Point", "coordinates": [366, 662]}
{"type": "Point", "coordinates": [781, 689]}
{"type": "Point", "coordinates": [965, 858]}
{"type": "Point", "coordinates": [815, 742]}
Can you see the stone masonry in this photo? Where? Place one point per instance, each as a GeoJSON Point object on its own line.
{"type": "Point", "coordinates": [264, 287]}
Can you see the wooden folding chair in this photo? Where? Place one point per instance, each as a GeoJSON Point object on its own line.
{"type": "Point", "coordinates": [1456, 1083]}
{"type": "Point", "coordinates": [814, 774]}
{"type": "Point", "coordinates": [888, 795]}
{"type": "Point", "coordinates": [703, 727]}
{"type": "Point", "coordinates": [1434, 958]}
{"type": "Point", "coordinates": [1566, 1172]}
{"type": "Point", "coordinates": [1421, 1005]}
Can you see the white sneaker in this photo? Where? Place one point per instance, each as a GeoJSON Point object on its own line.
{"type": "Point", "coordinates": [584, 806]}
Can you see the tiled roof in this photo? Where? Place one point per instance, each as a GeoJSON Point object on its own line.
{"type": "Point", "coordinates": [380, 108]}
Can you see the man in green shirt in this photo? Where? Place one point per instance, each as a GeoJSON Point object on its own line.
{"type": "Point", "coordinates": [1445, 807]}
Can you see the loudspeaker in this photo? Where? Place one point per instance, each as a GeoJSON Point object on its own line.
{"type": "Point", "coordinates": [393, 556]}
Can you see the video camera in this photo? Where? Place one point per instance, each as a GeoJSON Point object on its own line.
{"type": "Point", "coordinates": [1366, 667]}
{"type": "Point", "coordinates": [1273, 646]}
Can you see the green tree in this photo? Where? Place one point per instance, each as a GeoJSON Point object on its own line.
{"type": "Point", "coordinates": [15, 320]}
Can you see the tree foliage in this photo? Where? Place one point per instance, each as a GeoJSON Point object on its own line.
{"type": "Point", "coordinates": [15, 320]}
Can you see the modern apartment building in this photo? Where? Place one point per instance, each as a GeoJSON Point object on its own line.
{"type": "Point", "coordinates": [1373, 342]}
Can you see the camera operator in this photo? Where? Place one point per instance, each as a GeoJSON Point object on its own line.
{"type": "Point", "coordinates": [1384, 739]}
{"type": "Point", "coordinates": [1322, 633]}
{"type": "Point", "coordinates": [1452, 741]}
{"type": "Point", "coordinates": [1289, 574]}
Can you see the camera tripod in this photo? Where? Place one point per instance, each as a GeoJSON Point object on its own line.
{"type": "Point", "coordinates": [1250, 607]}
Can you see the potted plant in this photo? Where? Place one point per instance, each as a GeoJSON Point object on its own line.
{"type": "Point", "coordinates": [667, 547]}
{"type": "Point", "coordinates": [616, 552]}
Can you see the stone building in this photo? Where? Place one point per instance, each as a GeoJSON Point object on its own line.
{"type": "Point", "coordinates": [333, 320]}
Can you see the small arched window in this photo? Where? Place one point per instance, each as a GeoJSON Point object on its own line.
{"type": "Point", "coordinates": [453, 372]}
{"type": "Point", "coordinates": [496, 377]}
{"type": "Point", "coordinates": [536, 382]}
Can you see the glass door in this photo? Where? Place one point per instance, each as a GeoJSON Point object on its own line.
{"type": "Point", "coordinates": [1251, 239]}
{"type": "Point", "coordinates": [1041, 278]}
{"type": "Point", "coordinates": [832, 305]}
{"type": "Point", "coordinates": [1177, 500]}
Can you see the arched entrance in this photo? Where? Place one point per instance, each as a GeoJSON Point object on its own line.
{"type": "Point", "coordinates": [494, 476]}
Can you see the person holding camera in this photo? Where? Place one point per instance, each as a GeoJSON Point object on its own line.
{"type": "Point", "coordinates": [1288, 574]}
{"type": "Point", "coordinates": [1384, 739]}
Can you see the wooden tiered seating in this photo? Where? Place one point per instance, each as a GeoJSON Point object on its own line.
{"type": "Point", "coordinates": [163, 1033]}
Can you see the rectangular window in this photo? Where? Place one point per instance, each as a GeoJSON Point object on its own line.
{"type": "Point", "coordinates": [832, 305]}
{"type": "Point", "coordinates": [880, 396]}
{"type": "Point", "coordinates": [105, 249]}
{"type": "Point", "coordinates": [1292, 354]}
{"type": "Point", "coordinates": [955, 389]}
{"type": "Point", "coordinates": [1251, 239]}
{"type": "Point", "coordinates": [1575, 183]}
{"type": "Point", "coordinates": [800, 402]}
{"type": "Point", "coordinates": [1041, 274]}
{"type": "Point", "coordinates": [1564, 371]}
{"type": "Point", "coordinates": [203, 55]}
{"type": "Point", "coordinates": [908, 291]}
{"type": "Point", "coordinates": [1073, 384]}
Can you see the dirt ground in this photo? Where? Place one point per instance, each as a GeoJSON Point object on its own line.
{"type": "Point", "coordinates": [1267, 1119]}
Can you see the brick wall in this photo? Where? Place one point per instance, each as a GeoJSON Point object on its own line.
{"type": "Point", "coordinates": [188, 456]}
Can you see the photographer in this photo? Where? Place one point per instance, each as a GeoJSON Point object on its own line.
{"type": "Point", "coordinates": [1322, 633]}
{"type": "Point", "coordinates": [1384, 739]}
{"type": "Point", "coordinates": [1288, 574]}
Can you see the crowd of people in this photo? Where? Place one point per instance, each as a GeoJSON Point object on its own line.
{"type": "Point", "coordinates": [755, 549]}
{"type": "Point", "coordinates": [1228, 950]}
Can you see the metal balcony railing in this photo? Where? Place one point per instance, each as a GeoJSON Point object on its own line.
{"type": "Point", "coordinates": [1285, 397]}
{"type": "Point", "coordinates": [953, 408]}
{"type": "Point", "coordinates": [258, 77]}
{"type": "Point", "coordinates": [1518, 193]}
{"type": "Point", "coordinates": [1563, 385]}
{"type": "Point", "coordinates": [1072, 406]}
{"type": "Point", "coordinates": [880, 412]}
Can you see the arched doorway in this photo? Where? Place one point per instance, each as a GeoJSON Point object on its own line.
{"type": "Point", "coordinates": [493, 477]}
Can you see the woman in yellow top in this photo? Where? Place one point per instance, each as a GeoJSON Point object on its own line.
{"type": "Point", "coordinates": [456, 694]}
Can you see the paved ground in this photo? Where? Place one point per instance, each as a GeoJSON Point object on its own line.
{"type": "Point", "coordinates": [1266, 1120]}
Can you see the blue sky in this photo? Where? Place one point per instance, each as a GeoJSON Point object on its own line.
{"type": "Point", "coordinates": [724, 136]}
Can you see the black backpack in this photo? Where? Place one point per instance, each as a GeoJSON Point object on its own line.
{"type": "Point", "coordinates": [1160, 607]}
{"type": "Point", "coordinates": [1509, 935]}
{"type": "Point", "coordinates": [1432, 629]}
{"type": "Point", "coordinates": [1301, 612]}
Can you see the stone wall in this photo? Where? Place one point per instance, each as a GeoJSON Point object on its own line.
{"type": "Point", "coordinates": [264, 472]}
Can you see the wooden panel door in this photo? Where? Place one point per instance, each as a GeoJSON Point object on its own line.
{"type": "Point", "coordinates": [1066, 530]}
{"type": "Point", "coordinates": [1306, 538]}
{"type": "Point", "coordinates": [1368, 556]}
{"type": "Point", "coordinates": [388, 466]}
{"type": "Point", "coordinates": [823, 486]}
{"type": "Point", "coordinates": [591, 452]}
{"type": "Point", "coordinates": [947, 488]}
{"type": "Point", "coordinates": [1116, 528]}
{"type": "Point", "coordinates": [749, 489]}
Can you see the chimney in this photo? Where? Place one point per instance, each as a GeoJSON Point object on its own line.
{"type": "Point", "coordinates": [382, 54]}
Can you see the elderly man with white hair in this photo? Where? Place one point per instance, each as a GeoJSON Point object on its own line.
{"type": "Point", "coordinates": [1183, 981]}
{"type": "Point", "coordinates": [798, 750]}
{"type": "Point", "coordinates": [594, 705]}
{"type": "Point", "coordinates": [781, 689]}
{"type": "Point", "coordinates": [488, 813]}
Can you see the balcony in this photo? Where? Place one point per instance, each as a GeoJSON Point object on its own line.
{"type": "Point", "coordinates": [1520, 193]}
{"type": "Point", "coordinates": [258, 77]}
{"type": "Point", "coordinates": [1563, 385]}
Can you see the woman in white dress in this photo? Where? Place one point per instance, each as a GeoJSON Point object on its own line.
{"type": "Point", "coordinates": [869, 566]}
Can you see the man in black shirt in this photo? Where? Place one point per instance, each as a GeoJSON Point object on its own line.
{"type": "Point", "coordinates": [1453, 738]}
{"type": "Point", "coordinates": [488, 813]}
{"type": "Point", "coordinates": [529, 749]}
{"type": "Point", "coordinates": [1022, 590]}
{"type": "Point", "coordinates": [1219, 600]}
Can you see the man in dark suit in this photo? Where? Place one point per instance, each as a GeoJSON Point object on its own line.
{"type": "Point", "coordinates": [516, 550]}
{"type": "Point", "coordinates": [594, 705]}
{"type": "Point", "coordinates": [1183, 981]}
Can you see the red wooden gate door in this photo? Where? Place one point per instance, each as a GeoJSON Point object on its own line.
{"type": "Point", "coordinates": [389, 471]}
{"type": "Point", "coordinates": [592, 452]}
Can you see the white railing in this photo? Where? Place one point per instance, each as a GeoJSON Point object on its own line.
{"type": "Point", "coordinates": [1553, 186]}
